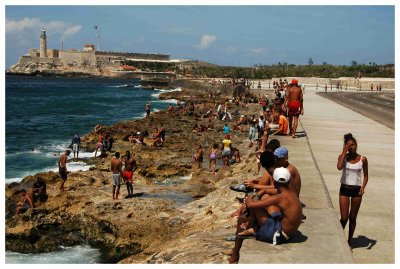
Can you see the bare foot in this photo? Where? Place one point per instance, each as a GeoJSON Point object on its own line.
{"type": "Point", "coordinates": [248, 232]}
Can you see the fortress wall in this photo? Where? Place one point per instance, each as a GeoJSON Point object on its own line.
{"type": "Point", "coordinates": [146, 56]}
{"type": "Point", "coordinates": [77, 58]}
{"type": "Point", "coordinates": [27, 60]}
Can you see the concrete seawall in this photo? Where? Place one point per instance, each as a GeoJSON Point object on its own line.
{"type": "Point", "coordinates": [321, 238]}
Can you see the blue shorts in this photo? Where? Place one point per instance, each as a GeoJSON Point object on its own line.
{"type": "Point", "coordinates": [271, 230]}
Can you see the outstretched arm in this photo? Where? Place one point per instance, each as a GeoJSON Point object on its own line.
{"type": "Point", "coordinates": [250, 203]}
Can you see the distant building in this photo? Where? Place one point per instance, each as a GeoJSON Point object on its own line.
{"type": "Point", "coordinates": [88, 47]}
{"type": "Point", "coordinates": [89, 59]}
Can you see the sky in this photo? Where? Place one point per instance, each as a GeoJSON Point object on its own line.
{"type": "Point", "coordinates": [224, 35]}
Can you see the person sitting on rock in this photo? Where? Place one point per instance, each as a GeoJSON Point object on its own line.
{"type": "Point", "coordinates": [157, 140]}
{"type": "Point", "coordinates": [25, 203]}
{"type": "Point", "coordinates": [236, 157]}
{"type": "Point", "coordinates": [39, 190]}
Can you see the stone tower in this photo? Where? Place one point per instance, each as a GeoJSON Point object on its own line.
{"type": "Point", "coordinates": [43, 44]}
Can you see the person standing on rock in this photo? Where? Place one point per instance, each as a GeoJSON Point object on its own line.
{"type": "Point", "coordinates": [148, 110]}
{"type": "Point", "coordinates": [352, 186]}
{"type": "Point", "coordinates": [62, 168]}
{"type": "Point", "coordinates": [99, 145]}
{"type": "Point", "coordinates": [226, 149]}
{"type": "Point", "coordinates": [130, 167]}
{"type": "Point", "coordinates": [116, 168]}
{"type": "Point", "coordinates": [294, 104]}
{"type": "Point", "coordinates": [76, 141]}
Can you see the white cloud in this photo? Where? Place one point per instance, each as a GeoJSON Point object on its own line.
{"type": "Point", "coordinates": [71, 31]}
{"type": "Point", "coordinates": [17, 26]}
{"type": "Point", "coordinates": [205, 42]}
{"type": "Point", "coordinates": [258, 51]}
{"type": "Point", "coordinates": [31, 26]}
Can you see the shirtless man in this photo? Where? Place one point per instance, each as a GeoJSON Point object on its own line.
{"type": "Point", "coordinates": [25, 203]}
{"type": "Point", "coordinates": [281, 155]}
{"type": "Point", "coordinates": [62, 168]}
{"type": "Point", "coordinates": [116, 168]}
{"type": "Point", "coordinates": [278, 215]}
{"type": "Point", "coordinates": [294, 104]}
{"type": "Point", "coordinates": [130, 167]}
{"type": "Point", "coordinates": [99, 145]}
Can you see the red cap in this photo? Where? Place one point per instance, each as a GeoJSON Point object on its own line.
{"type": "Point", "coordinates": [228, 137]}
{"type": "Point", "coordinates": [294, 81]}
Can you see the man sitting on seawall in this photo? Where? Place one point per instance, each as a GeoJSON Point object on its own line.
{"type": "Point", "coordinates": [278, 216]}
{"type": "Point", "coordinates": [282, 123]}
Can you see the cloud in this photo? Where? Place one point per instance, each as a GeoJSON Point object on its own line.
{"type": "Point", "coordinates": [205, 42]}
{"type": "Point", "coordinates": [71, 31]}
{"type": "Point", "coordinates": [30, 28]}
{"type": "Point", "coordinates": [17, 26]}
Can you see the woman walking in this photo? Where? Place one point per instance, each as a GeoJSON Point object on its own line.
{"type": "Point", "coordinates": [352, 185]}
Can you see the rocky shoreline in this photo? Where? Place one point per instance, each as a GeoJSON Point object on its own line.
{"type": "Point", "coordinates": [151, 227]}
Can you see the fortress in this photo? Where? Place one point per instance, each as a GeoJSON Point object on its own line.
{"type": "Point", "coordinates": [87, 61]}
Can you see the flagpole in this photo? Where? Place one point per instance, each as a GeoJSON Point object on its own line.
{"type": "Point", "coordinates": [98, 38]}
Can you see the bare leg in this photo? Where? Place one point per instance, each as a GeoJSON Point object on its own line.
{"type": "Point", "coordinates": [296, 121]}
{"type": "Point", "coordinates": [239, 241]}
{"type": "Point", "coordinates": [290, 119]}
{"type": "Point", "coordinates": [344, 203]}
{"type": "Point", "coordinates": [355, 206]}
{"type": "Point", "coordinates": [117, 192]}
{"type": "Point", "coordinates": [62, 185]}
{"type": "Point", "coordinates": [113, 191]}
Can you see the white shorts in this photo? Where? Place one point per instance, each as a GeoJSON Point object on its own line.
{"type": "Point", "coordinates": [116, 179]}
{"type": "Point", "coordinates": [75, 147]}
{"type": "Point", "coordinates": [226, 152]}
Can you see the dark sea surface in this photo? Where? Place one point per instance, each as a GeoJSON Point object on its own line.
{"type": "Point", "coordinates": [44, 113]}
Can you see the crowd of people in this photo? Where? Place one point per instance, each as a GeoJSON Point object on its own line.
{"type": "Point", "coordinates": [271, 210]}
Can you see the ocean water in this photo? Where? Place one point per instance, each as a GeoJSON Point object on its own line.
{"type": "Point", "coordinates": [83, 254]}
{"type": "Point", "coordinates": [44, 113]}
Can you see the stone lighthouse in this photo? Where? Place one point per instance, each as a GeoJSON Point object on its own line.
{"type": "Point", "coordinates": [43, 44]}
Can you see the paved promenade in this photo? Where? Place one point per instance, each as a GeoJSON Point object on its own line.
{"type": "Point", "coordinates": [315, 154]}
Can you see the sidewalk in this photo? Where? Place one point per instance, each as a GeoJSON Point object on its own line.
{"type": "Point", "coordinates": [322, 239]}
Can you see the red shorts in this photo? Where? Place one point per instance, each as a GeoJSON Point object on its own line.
{"type": "Point", "coordinates": [294, 108]}
{"type": "Point", "coordinates": [128, 175]}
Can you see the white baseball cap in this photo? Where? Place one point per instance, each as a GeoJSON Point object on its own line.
{"type": "Point", "coordinates": [281, 175]}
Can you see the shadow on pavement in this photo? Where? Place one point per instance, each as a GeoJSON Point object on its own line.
{"type": "Point", "coordinates": [363, 242]}
{"type": "Point", "coordinates": [301, 134]}
{"type": "Point", "coordinates": [298, 237]}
